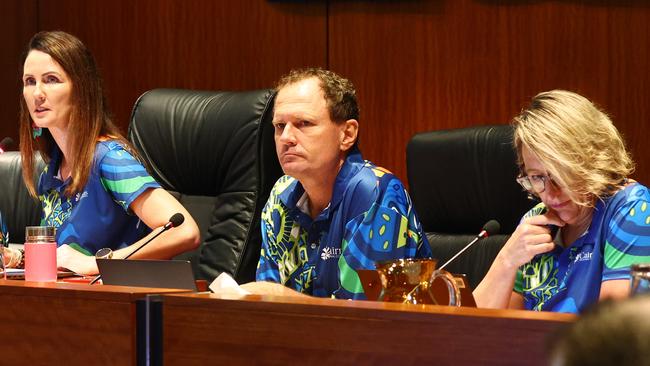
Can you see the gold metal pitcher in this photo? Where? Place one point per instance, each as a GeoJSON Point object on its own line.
{"type": "Point", "coordinates": [411, 281]}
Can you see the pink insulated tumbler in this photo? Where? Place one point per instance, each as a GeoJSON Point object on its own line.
{"type": "Point", "coordinates": [40, 254]}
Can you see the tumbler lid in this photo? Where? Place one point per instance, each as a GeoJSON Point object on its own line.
{"type": "Point", "coordinates": [40, 234]}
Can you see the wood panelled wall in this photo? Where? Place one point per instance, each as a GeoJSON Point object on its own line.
{"type": "Point", "coordinates": [425, 65]}
{"type": "Point", "coordinates": [17, 25]}
{"type": "Point", "coordinates": [418, 65]}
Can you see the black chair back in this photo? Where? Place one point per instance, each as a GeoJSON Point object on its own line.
{"type": "Point", "coordinates": [18, 208]}
{"type": "Point", "coordinates": [459, 179]}
{"type": "Point", "coordinates": [215, 152]}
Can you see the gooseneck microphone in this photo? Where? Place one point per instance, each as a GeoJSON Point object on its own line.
{"type": "Point", "coordinates": [5, 144]}
{"type": "Point", "coordinates": [174, 221]}
{"type": "Point", "coordinates": [490, 228]}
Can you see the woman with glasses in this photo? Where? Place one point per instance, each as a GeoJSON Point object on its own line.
{"type": "Point", "coordinates": [576, 246]}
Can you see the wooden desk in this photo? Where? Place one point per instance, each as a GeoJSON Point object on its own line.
{"type": "Point", "coordinates": [213, 329]}
{"type": "Point", "coordinates": [68, 323]}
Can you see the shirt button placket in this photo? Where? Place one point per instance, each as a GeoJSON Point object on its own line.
{"type": "Point", "coordinates": [313, 236]}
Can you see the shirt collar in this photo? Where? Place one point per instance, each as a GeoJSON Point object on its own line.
{"type": "Point", "coordinates": [589, 237]}
{"type": "Point", "coordinates": [351, 166]}
{"type": "Point", "coordinates": [49, 177]}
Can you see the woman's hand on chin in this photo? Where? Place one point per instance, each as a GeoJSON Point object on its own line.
{"type": "Point", "coordinates": [532, 237]}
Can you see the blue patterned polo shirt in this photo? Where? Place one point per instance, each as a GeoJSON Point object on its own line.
{"type": "Point", "coordinates": [569, 279]}
{"type": "Point", "coordinates": [99, 216]}
{"type": "Point", "coordinates": [370, 218]}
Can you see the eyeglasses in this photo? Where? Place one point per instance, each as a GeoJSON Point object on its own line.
{"type": "Point", "coordinates": [536, 183]}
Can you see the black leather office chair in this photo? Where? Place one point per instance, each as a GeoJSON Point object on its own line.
{"type": "Point", "coordinates": [215, 152]}
{"type": "Point", "coordinates": [459, 179]}
{"type": "Point", "coordinates": [18, 208]}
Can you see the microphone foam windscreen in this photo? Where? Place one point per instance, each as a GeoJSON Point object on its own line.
{"type": "Point", "coordinates": [177, 219]}
{"type": "Point", "coordinates": [6, 142]}
{"type": "Point", "coordinates": [492, 227]}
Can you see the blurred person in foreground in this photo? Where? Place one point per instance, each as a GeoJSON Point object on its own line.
{"type": "Point", "coordinates": [593, 222]}
{"type": "Point", "coordinates": [333, 212]}
{"type": "Point", "coordinates": [610, 333]}
{"type": "Point", "coordinates": [94, 189]}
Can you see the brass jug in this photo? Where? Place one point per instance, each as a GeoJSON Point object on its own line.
{"type": "Point", "coordinates": [410, 281]}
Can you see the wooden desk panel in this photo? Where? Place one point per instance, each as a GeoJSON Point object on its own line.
{"type": "Point", "coordinates": [68, 323]}
{"type": "Point", "coordinates": [202, 328]}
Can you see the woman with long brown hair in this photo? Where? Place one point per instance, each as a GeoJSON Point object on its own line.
{"type": "Point", "coordinates": [94, 190]}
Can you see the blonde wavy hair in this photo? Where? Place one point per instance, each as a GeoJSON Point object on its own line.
{"type": "Point", "coordinates": [576, 142]}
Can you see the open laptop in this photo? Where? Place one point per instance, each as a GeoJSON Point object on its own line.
{"type": "Point", "coordinates": [372, 288]}
{"type": "Point", "coordinates": [147, 273]}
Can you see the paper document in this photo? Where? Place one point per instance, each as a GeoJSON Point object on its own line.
{"type": "Point", "coordinates": [226, 284]}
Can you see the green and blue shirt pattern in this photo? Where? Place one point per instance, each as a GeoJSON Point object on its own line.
{"type": "Point", "coordinates": [569, 279]}
{"type": "Point", "coordinates": [99, 216]}
{"type": "Point", "coordinates": [370, 218]}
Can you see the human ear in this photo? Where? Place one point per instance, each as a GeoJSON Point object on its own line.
{"type": "Point", "coordinates": [349, 132]}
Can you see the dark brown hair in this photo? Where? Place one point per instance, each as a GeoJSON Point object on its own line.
{"type": "Point", "coordinates": [89, 116]}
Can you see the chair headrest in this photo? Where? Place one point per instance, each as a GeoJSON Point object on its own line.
{"type": "Point", "coordinates": [18, 208]}
{"type": "Point", "coordinates": [461, 178]}
{"type": "Point", "coordinates": [198, 142]}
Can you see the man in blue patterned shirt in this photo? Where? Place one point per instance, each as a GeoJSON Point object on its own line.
{"type": "Point", "coordinates": [333, 213]}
